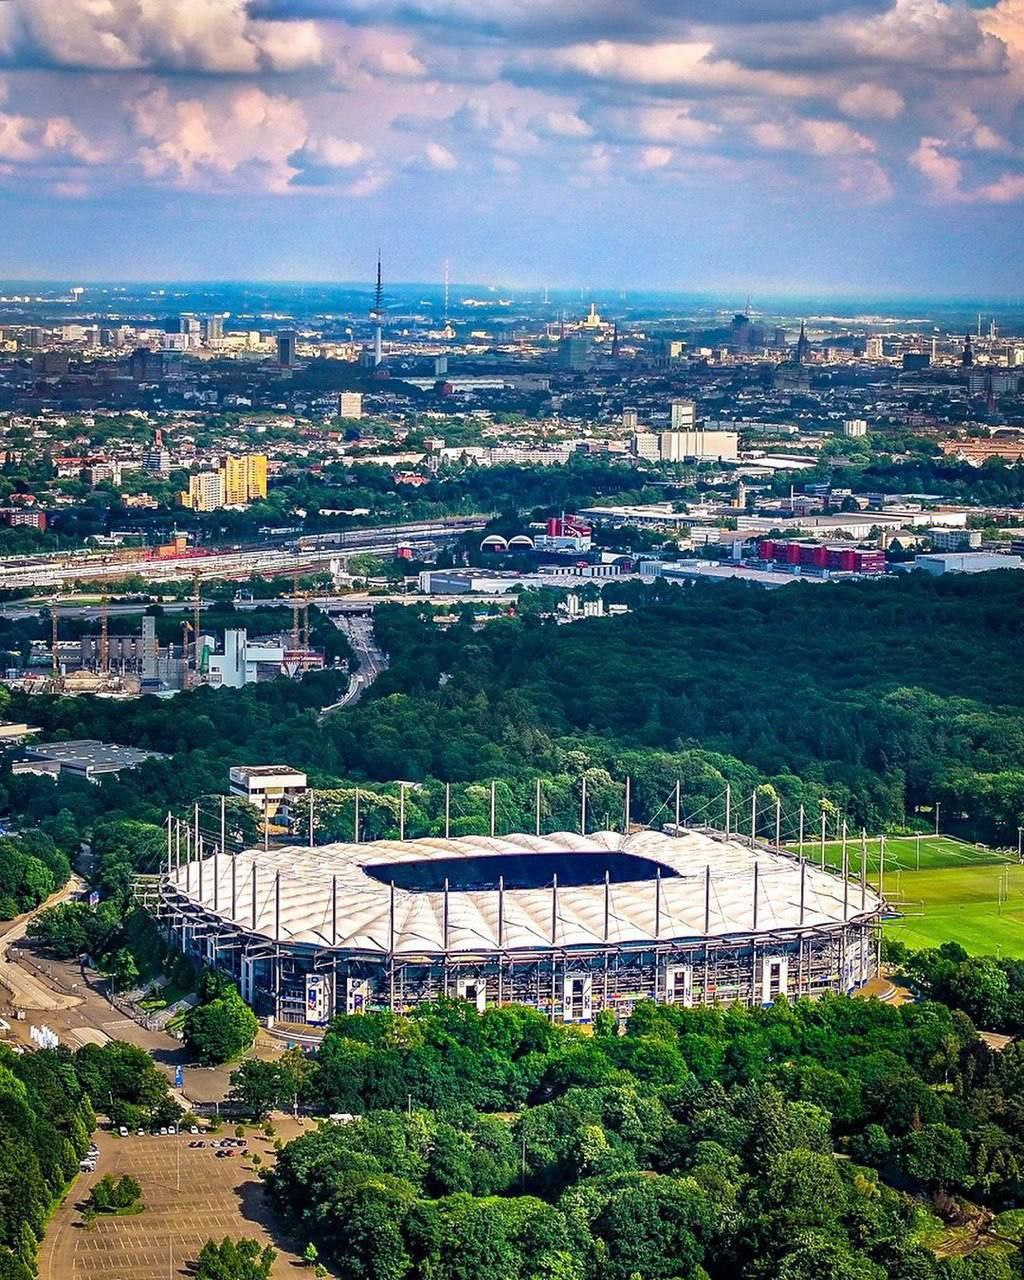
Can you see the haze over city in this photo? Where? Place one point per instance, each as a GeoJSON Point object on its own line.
{"type": "Point", "coordinates": [863, 146]}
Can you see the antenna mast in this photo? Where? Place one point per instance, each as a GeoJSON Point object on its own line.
{"type": "Point", "coordinates": [378, 314]}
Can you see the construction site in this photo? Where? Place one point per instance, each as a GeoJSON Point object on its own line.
{"type": "Point", "coordinates": [136, 662]}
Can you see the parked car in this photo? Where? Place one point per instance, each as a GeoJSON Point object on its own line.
{"type": "Point", "coordinates": [194, 1129]}
{"type": "Point", "coordinates": [122, 1130]}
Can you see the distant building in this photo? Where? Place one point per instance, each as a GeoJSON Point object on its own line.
{"type": "Point", "coordinates": [270, 787]}
{"type": "Point", "coordinates": [19, 517]}
{"type": "Point", "coordinates": [629, 419]}
{"type": "Point", "coordinates": [955, 539]}
{"type": "Point", "coordinates": [84, 757]}
{"type": "Point", "coordinates": [157, 460]}
{"type": "Point", "coordinates": [287, 348]}
{"type": "Point", "coordinates": [236, 483]}
{"type": "Point", "coordinates": [855, 427]}
{"type": "Point", "coordinates": [803, 345]}
{"type": "Point", "coordinates": [245, 479]}
{"type": "Point", "coordinates": [874, 349]}
{"type": "Point", "coordinates": [684, 415]}
{"type": "Point", "coordinates": [350, 404]}
{"type": "Point", "coordinates": [678, 446]}
{"type": "Point", "coordinates": [819, 557]}
{"type": "Point", "coordinates": [573, 352]}
{"type": "Point", "coordinates": [965, 562]}
{"type": "Point", "coordinates": [205, 491]}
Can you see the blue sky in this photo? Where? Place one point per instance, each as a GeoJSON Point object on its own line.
{"type": "Point", "coordinates": [811, 145]}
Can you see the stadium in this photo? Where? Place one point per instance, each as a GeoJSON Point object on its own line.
{"type": "Point", "coordinates": [570, 924]}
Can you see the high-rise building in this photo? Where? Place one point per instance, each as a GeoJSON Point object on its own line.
{"type": "Point", "coordinates": [855, 427]}
{"type": "Point", "coordinates": [245, 479]}
{"type": "Point", "coordinates": [205, 491]}
{"type": "Point", "coordinates": [287, 348]}
{"type": "Point", "coordinates": [350, 404]}
{"type": "Point", "coordinates": [629, 419]}
{"type": "Point", "coordinates": [684, 415]}
{"type": "Point", "coordinates": [214, 328]}
{"type": "Point", "coordinates": [572, 353]}
{"type": "Point", "coordinates": [157, 460]}
{"type": "Point", "coordinates": [646, 444]}
{"type": "Point", "coordinates": [873, 348]}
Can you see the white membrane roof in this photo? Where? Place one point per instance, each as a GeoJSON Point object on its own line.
{"type": "Point", "coordinates": [325, 897]}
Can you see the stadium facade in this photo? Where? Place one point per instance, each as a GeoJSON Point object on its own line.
{"type": "Point", "coordinates": [570, 924]}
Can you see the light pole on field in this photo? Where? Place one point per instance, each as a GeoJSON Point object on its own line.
{"type": "Point", "coordinates": [1020, 844]}
{"type": "Point", "coordinates": [937, 808]}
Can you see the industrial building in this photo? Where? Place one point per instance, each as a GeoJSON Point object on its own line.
{"type": "Point", "coordinates": [83, 758]}
{"type": "Point", "coordinates": [965, 562]}
{"type": "Point", "coordinates": [821, 557]}
{"type": "Point", "coordinates": [568, 923]}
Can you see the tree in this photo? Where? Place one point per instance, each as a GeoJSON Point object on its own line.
{"type": "Point", "coordinates": [221, 1030]}
{"type": "Point", "coordinates": [110, 1196]}
{"type": "Point", "coordinates": [937, 1157]}
{"type": "Point", "coordinates": [235, 1260]}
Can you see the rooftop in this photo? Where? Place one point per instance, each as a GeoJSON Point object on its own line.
{"type": "Point", "coordinates": [658, 886]}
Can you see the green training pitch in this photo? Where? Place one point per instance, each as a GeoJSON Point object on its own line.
{"type": "Point", "coordinates": [944, 889]}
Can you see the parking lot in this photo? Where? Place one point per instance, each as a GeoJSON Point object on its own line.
{"type": "Point", "coordinates": [191, 1195]}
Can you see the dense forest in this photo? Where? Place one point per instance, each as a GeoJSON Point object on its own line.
{"type": "Point", "coordinates": [870, 700]}
{"type": "Point", "coordinates": [836, 1140]}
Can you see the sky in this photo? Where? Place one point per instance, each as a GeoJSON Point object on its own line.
{"type": "Point", "coordinates": [860, 146]}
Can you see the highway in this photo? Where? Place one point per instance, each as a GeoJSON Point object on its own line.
{"type": "Point", "coordinates": [372, 661]}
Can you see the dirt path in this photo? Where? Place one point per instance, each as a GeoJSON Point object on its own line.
{"type": "Point", "coordinates": [27, 991]}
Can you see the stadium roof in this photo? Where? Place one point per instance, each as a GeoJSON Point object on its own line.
{"type": "Point", "coordinates": [339, 895]}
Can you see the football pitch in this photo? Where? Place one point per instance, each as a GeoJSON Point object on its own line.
{"type": "Point", "coordinates": [943, 889]}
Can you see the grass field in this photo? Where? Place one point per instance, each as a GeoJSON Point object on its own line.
{"type": "Point", "coordinates": [944, 889]}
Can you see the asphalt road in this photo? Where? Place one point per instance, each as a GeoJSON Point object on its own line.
{"type": "Point", "coordinates": [372, 660]}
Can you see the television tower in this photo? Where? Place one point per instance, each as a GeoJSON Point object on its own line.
{"type": "Point", "coordinates": [377, 316]}
{"type": "Point", "coordinates": [446, 283]}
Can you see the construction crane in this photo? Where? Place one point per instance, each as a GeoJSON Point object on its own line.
{"type": "Point", "coordinates": [305, 623]}
{"type": "Point", "coordinates": [296, 607]}
{"type": "Point", "coordinates": [186, 627]}
{"type": "Point", "coordinates": [197, 604]}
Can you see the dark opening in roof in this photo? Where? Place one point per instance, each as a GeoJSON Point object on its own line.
{"type": "Point", "coordinates": [520, 871]}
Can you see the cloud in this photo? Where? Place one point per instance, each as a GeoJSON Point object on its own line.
{"type": "Point", "coordinates": [400, 64]}
{"type": "Point", "coordinates": [815, 137]}
{"type": "Point", "coordinates": [655, 157]}
{"type": "Point", "coordinates": [439, 158]}
{"type": "Point", "coordinates": [946, 176]}
{"type": "Point", "coordinates": [561, 124]}
{"type": "Point", "coordinates": [209, 36]}
{"type": "Point", "coordinates": [689, 64]}
{"type": "Point", "coordinates": [872, 102]}
{"type": "Point", "coordinates": [245, 139]}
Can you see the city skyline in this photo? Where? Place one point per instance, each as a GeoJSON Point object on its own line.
{"type": "Point", "coordinates": [862, 146]}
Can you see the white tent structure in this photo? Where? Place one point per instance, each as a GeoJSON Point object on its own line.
{"type": "Point", "coordinates": [567, 922]}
